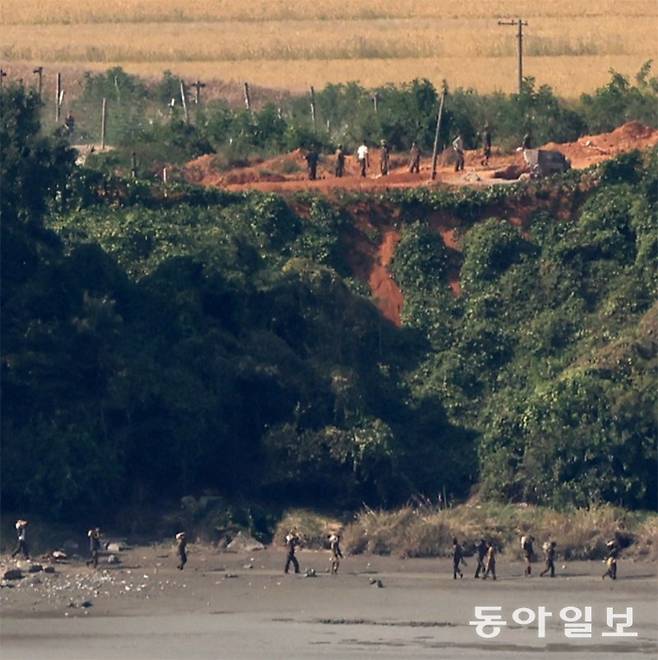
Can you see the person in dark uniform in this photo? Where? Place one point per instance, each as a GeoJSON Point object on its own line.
{"type": "Point", "coordinates": [181, 550]}
{"type": "Point", "coordinates": [94, 546]}
{"type": "Point", "coordinates": [69, 123]}
{"type": "Point", "coordinates": [384, 158]}
{"type": "Point", "coordinates": [340, 161]}
{"type": "Point", "coordinates": [611, 560]}
{"type": "Point", "coordinates": [491, 562]}
{"type": "Point", "coordinates": [336, 554]}
{"type": "Point", "coordinates": [292, 541]}
{"type": "Point", "coordinates": [528, 553]}
{"type": "Point", "coordinates": [486, 145]}
{"type": "Point", "coordinates": [549, 552]}
{"type": "Point", "coordinates": [414, 158]}
{"type": "Point", "coordinates": [457, 559]}
{"type": "Point", "coordinates": [21, 537]}
{"type": "Point", "coordinates": [312, 157]}
{"type": "Point", "coordinates": [481, 550]}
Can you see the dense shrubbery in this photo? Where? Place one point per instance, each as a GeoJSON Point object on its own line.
{"type": "Point", "coordinates": [156, 347]}
{"type": "Point", "coordinates": [142, 119]}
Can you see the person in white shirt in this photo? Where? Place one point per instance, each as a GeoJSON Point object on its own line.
{"type": "Point", "coordinates": [458, 148]}
{"type": "Point", "coordinates": [364, 161]}
{"type": "Point", "coordinates": [21, 532]}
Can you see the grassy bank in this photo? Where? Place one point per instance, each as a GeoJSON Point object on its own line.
{"type": "Point", "coordinates": [408, 532]}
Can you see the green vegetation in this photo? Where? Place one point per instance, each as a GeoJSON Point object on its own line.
{"type": "Point", "coordinates": [213, 343]}
{"type": "Point", "coordinates": [142, 119]}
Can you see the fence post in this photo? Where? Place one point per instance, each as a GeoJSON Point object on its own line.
{"type": "Point", "coordinates": [435, 150]}
{"type": "Point", "coordinates": [247, 97]}
{"type": "Point", "coordinates": [103, 122]}
{"type": "Point", "coordinates": [58, 97]}
{"type": "Point", "coordinates": [39, 73]}
{"type": "Point", "coordinates": [184, 102]}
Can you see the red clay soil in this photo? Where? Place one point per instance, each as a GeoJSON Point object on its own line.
{"type": "Point", "coordinates": [370, 262]}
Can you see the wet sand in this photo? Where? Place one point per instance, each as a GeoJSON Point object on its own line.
{"type": "Point", "coordinates": [225, 606]}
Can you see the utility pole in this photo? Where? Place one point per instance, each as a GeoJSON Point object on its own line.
{"type": "Point", "coordinates": [58, 97]}
{"type": "Point", "coordinates": [375, 102]}
{"type": "Point", "coordinates": [435, 150]}
{"type": "Point", "coordinates": [3, 75]}
{"type": "Point", "coordinates": [39, 73]}
{"type": "Point", "coordinates": [198, 86]}
{"type": "Point", "coordinates": [520, 23]}
{"type": "Point", "coordinates": [103, 122]}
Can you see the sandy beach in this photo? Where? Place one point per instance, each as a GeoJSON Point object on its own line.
{"type": "Point", "coordinates": [227, 605]}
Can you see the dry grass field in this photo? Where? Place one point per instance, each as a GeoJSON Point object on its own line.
{"type": "Point", "coordinates": [570, 44]}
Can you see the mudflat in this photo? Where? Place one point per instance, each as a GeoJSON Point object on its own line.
{"type": "Point", "coordinates": [226, 605]}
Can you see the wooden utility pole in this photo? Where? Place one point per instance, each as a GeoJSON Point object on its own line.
{"type": "Point", "coordinates": [103, 122]}
{"type": "Point", "coordinates": [247, 97]}
{"type": "Point", "coordinates": [58, 97]}
{"type": "Point", "coordinates": [183, 98]}
{"type": "Point", "coordinates": [520, 23]}
{"type": "Point", "coordinates": [198, 86]}
{"type": "Point", "coordinates": [314, 117]}
{"type": "Point", "coordinates": [38, 71]}
{"type": "Point", "coordinates": [435, 150]}
{"type": "Point", "coordinates": [375, 102]}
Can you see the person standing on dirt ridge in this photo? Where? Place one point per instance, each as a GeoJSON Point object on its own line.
{"type": "Point", "coordinates": [384, 158]}
{"type": "Point", "coordinates": [340, 162]}
{"type": "Point", "coordinates": [336, 554]}
{"type": "Point", "coordinates": [363, 158]}
{"type": "Point", "coordinates": [549, 557]}
{"type": "Point", "coordinates": [457, 559]}
{"type": "Point", "coordinates": [481, 553]}
{"type": "Point", "coordinates": [21, 537]}
{"type": "Point", "coordinates": [181, 550]}
{"type": "Point", "coordinates": [458, 148]}
{"type": "Point", "coordinates": [292, 541]}
{"type": "Point", "coordinates": [414, 158]}
{"type": "Point", "coordinates": [312, 157]}
{"type": "Point", "coordinates": [94, 546]}
{"type": "Point", "coordinates": [486, 144]}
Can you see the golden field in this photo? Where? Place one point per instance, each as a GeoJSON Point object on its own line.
{"type": "Point", "coordinates": [570, 44]}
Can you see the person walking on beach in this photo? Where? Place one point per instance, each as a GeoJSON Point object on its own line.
{"type": "Point", "coordinates": [481, 553]}
{"type": "Point", "coordinates": [486, 145]}
{"type": "Point", "coordinates": [312, 157]}
{"type": "Point", "coordinates": [458, 148]}
{"type": "Point", "coordinates": [363, 158]}
{"type": "Point", "coordinates": [414, 158]}
{"type": "Point", "coordinates": [384, 158]}
{"type": "Point", "coordinates": [457, 559]}
{"type": "Point", "coordinates": [549, 552]}
{"type": "Point", "coordinates": [528, 553]}
{"type": "Point", "coordinates": [611, 560]}
{"type": "Point", "coordinates": [21, 537]}
{"type": "Point", "coordinates": [94, 546]}
{"type": "Point", "coordinates": [491, 562]}
{"type": "Point", "coordinates": [340, 162]}
{"type": "Point", "coordinates": [292, 541]}
{"type": "Point", "coordinates": [181, 550]}
{"type": "Point", "coordinates": [336, 554]}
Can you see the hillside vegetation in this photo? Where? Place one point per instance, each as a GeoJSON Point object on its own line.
{"type": "Point", "coordinates": [156, 347]}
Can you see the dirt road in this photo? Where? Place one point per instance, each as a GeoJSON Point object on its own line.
{"type": "Point", "coordinates": [228, 606]}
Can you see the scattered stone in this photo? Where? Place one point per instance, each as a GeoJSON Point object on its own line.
{"type": "Point", "coordinates": [59, 555]}
{"type": "Point", "coordinates": [229, 575]}
{"type": "Point", "coordinates": [48, 569]}
{"type": "Point", "coordinates": [115, 546]}
{"type": "Point", "coordinates": [35, 568]}
{"type": "Point", "coordinates": [113, 559]}
{"type": "Point", "coordinates": [376, 583]}
{"type": "Point", "coordinates": [248, 566]}
{"type": "Point", "coordinates": [13, 574]}
{"type": "Point", "coordinates": [86, 604]}
{"type": "Point", "coordinates": [34, 580]}
{"type": "Point", "coordinates": [310, 573]}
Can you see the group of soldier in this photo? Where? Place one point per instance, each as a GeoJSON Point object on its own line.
{"type": "Point", "coordinates": [485, 553]}
{"type": "Point", "coordinates": [362, 156]}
